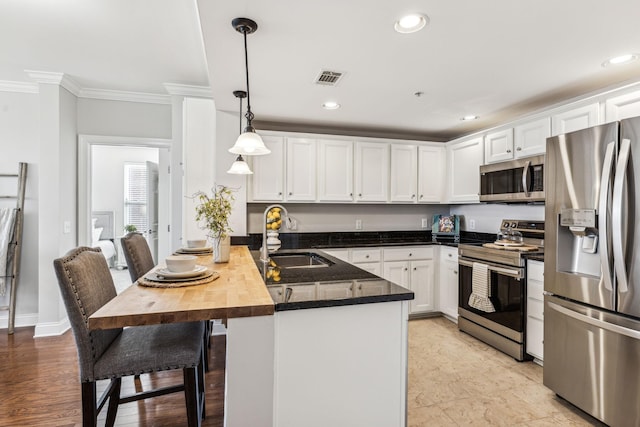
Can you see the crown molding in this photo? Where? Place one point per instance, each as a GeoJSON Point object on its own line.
{"type": "Point", "coordinates": [60, 79]}
{"type": "Point", "coordinates": [120, 95]}
{"type": "Point", "coordinates": [188, 90]}
{"type": "Point", "coordinates": [22, 87]}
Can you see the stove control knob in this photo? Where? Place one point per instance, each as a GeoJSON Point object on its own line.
{"type": "Point", "coordinates": [505, 225]}
{"type": "Point", "coordinates": [513, 224]}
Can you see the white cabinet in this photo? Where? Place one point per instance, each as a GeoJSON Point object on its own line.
{"type": "Point", "coordinates": [448, 282]}
{"type": "Point", "coordinates": [463, 160]}
{"type": "Point", "coordinates": [412, 267]}
{"type": "Point", "coordinates": [530, 139]}
{"type": "Point", "coordinates": [335, 171]}
{"type": "Point", "coordinates": [335, 290]}
{"type": "Point", "coordinates": [535, 307]}
{"type": "Point", "coordinates": [498, 146]}
{"type": "Point", "coordinates": [371, 171]}
{"type": "Point", "coordinates": [622, 107]}
{"type": "Point", "coordinates": [576, 119]}
{"type": "Point", "coordinates": [431, 173]}
{"type": "Point", "coordinates": [341, 254]}
{"type": "Point", "coordinates": [404, 173]}
{"type": "Point", "coordinates": [267, 183]}
{"type": "Point", "coordinates": [367, 259]}
{"type": "Point", "coordinates": [301, 169]}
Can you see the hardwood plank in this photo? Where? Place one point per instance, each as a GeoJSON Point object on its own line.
{"type": "Point", "coordinates": [40, 386]}
{"type": "Point", "coordinates": [239, 292]}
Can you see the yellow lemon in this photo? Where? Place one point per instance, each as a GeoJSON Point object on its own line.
{"type": "Point", "coordinates": [276, 278]}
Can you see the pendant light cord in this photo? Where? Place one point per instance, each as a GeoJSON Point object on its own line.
{"type": "Point", "coordinates": [249, 114]}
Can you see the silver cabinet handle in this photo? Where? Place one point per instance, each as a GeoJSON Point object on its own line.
{"type": "Point", "coordinates": [449, 255]}
{"type": "Point", "coordinates": [525, 178]}
{"type": "Point", "coordinates": [618, 233]}
{"type": "Point", "coordinates": [279, 193]}
{"type": "Point", "coordinates": [508, 151]}
{"type": "Point", "coordinates": [519, 149]}
{"type": "Point", "coordinates": [603, 216]}
{"type": "Point", "coordinates": [290, 193]}
{"type": "Point", "coordinates": [366, 256]}
{"type": "Point", "coordinates": [413, 196]}
{"type": "Point", "coordinates": [359, 194]}
{"type": "Point", "coordinates": [455, 272]}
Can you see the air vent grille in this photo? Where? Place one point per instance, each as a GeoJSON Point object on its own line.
{"type": "Point", "coordinates": [328, 78]}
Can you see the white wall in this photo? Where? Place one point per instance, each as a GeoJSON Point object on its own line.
{"type": "Point", "coordinates": [107, 183]}
{"type": "Point", "coordinates": [342, 217]}
{"type": "Point", "coordinates": [120, 118]}
{"type": "Point", "coordinates": [488, 216]}
{"type": "Point", "coordinates": [19, 142]}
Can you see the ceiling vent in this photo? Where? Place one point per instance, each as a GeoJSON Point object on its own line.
{"type": "Point", "coordinates": [328, 78]}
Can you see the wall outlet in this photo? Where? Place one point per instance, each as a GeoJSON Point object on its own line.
{"type": "Point", "coordinates": [472, 224]}
{"type": "Point", "coordinates": [358, 224]}
{"type": "Point", "coordinates": [292, 224]}
{"type": "Point", "coordinates": [425, 222]}
{"type": "Point", "coordinates": [66, 227]}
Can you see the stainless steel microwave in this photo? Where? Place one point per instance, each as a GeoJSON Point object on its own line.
{"type": "Point", "coordinates": [514, 181]}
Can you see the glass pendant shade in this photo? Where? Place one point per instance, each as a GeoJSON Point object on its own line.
{"type": "Point", "coordinates": [249, 143]}
{"type": "Point", "coordinates": [240, 167]}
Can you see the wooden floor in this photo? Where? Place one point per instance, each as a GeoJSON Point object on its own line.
{"type": "Point", "coordinates": [39, 386]}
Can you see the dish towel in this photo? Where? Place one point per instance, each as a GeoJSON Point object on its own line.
{"type": "Point", "coordinates": [7, 219]}
{"type": "Point", "coordinates": [480, 291]}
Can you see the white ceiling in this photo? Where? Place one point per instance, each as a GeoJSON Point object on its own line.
{"type": "Point", "coordinates": [498, 59]}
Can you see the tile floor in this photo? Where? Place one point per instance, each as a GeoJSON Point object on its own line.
{"type": "Point", "coordinates": [457, 380]}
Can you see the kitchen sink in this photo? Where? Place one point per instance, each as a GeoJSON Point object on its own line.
{"type": "Point", "coordinates": [300, 260]}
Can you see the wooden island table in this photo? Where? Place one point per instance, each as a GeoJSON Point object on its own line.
{"type": "Point", "coordinates": [238, 292]}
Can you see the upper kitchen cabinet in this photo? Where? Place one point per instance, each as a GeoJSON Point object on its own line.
{"type": "Point", "coordinates": [431, 173]}
{"type": "Point", "coordinates": [622, 107]}
{"type": "Point", "coordinates": [530, 139]}
{"type": "Point", "coordinates": [301, 170]}
{"type": "Point", "coordinates": [576, 119]}
{"type": "Point", "coordinates": [335, 171]}
{"type": "Point", "coordinates": [463, 169]}
{"type": "Point", "coordinates": [372, 171]}
{"type": "Point", "coordinates": [498, 146]}
{"type": "Point", "coordinates": [404, 173]}
{"type": "Point", "coordinates": [267, 183]}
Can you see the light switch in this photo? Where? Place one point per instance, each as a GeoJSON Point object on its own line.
{"type": "Point", "coordinates": [66, 225]}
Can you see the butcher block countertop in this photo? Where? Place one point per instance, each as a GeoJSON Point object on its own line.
{"type": "Point", "coordinates": [238, 292]}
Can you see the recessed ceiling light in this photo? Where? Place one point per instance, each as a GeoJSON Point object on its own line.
{"type": "Point", "coordinates": [330, 105]}
{"type": "Point", "coordinates": [469, 117]}
{"type": "Point", "coordinates": [622, 59]}
{"type": "Point", "coordinates": [411, 23]}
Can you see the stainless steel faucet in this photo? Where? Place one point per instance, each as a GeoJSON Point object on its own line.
{"type": "Point", "coordinates": [264, 251]}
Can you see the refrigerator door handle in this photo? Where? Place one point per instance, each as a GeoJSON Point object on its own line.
{"type": "Point", "coordinates": [621, 330]}
{"type": "Point", "coordinates": [525, 178]}
{"type": "Point", "coordinates": [618, 232]}
{"type": "Point", "coordinates": [603, 217]}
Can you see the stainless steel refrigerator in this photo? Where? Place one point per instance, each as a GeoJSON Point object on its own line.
{"type": "Point", "coordinates": [592, 270]}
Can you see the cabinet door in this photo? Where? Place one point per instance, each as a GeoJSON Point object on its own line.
{"type": "Point", "coordinates": [404, 173]}
{"type": "Point", "coordinates": [365, 288]}
{"type": "Point", "coordinates": [301, 169]}
{"type": "Point", "coordinates": [398, 273]}
{"type": "Point", "coordinates": [296, 293]}
{"type": "Point", "coordinates": [576, 119]}
{"type": "Point", "coordinates": [341, 254]}
{"type": "Point", "coordinates": [530, 139]}
{"type": "Point", "coordinates": [622, 107]}
{"type": "Point", "coordinates": [267, 181]}
{"type": "Point", "coordinates": [449, 288]}
{"type": "Point", "coordinates": [372, 172]}
{"type": "Point", "coordinates": [431, 174]}
{"type": "Point", "coordinates": [422, 280]}
{"type": "Point", "coordinates": [337, 290]}
{"type": "Point", "coordinates": [371, 267]}
{"type": "Point", "coordinates": [464, 160]}
{"type": "Point", "coordinates": [498, 146]}
{"type": "Point", "coordinates": [535, 309]}
{"type": "Point", "coordinates": [335, 171]}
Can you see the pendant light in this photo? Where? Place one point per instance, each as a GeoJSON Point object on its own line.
{"type": "Point", "coordinates": [240, 167]}
{"type": "Point", "coordinates": [249, 142]}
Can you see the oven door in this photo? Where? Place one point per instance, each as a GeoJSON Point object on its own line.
{"type": "Point", "coordinates": [507, 294]}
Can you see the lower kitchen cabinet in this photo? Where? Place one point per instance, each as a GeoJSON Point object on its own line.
{"type": "Point", "coordinates": [412, 268]}
{"type": "Point", "coordinates": [535, 305]}
{"type": "Point", "coordinates": [448, 282]}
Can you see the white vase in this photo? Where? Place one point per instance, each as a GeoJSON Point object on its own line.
{"type": "Point", "coordinates": [221, 249]}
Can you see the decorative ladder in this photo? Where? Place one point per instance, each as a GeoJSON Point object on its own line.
{"type": "Point", "coordinates": [15, 244]}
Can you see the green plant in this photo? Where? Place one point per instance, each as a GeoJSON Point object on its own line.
{"type": "Point", "coordinates": [130, 228]}
{"type": "Point", "coordinates": [212, 213]}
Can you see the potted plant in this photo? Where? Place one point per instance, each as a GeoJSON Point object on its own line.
{"type": "Point", "coordinates": [130, 228]}
{"type": "Point", "coordinates": [212, 215]}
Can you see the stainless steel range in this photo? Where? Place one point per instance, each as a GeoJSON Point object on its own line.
{"type": "Point", "coordinates": [492, 286]}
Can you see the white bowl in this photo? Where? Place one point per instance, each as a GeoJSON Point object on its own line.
{"type": "Point", "coordinates": [181, 263]}
{"type": "Point", "coordinates": [196, 243]}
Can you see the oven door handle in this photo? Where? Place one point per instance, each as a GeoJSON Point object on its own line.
{"type": "Point", "coordinates": [507, 271]}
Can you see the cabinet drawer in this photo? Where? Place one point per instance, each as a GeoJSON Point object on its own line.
{"type": "Point", "coordinates": [365, 255]}
{"type": "Point", "coordinates": [448, 253]}
{"type": "Point", "coordinates": [408, 253]}
{"type": "Point", "coordinates": [535, 309]}
{"type": "Point", "coordinates": [535, 338]}
{"type": "Point", "coordinates": [535, 270]}
{"type": "Point", "coordinates": [535, 289]}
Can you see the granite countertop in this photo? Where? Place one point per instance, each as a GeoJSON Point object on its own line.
{"type": "Point", "coordinates": [338, 284]}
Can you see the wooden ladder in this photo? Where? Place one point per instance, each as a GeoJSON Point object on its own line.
{"type": "Point", "coordinates": [15, 245]}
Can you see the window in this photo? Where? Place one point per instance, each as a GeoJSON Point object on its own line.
{"type": "Point", "coordinates": [135, 195]}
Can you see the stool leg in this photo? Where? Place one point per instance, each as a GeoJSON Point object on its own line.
{"type": "Point", "coordinates": [191, 396]}
{"type": "Point", "coordinates": [89, 409]}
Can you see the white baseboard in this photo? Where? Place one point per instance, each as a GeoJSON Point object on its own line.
{"type": "Point", "coordinates": [21, 320]}
{"type": "Point", "coordinates": [52, 328]}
